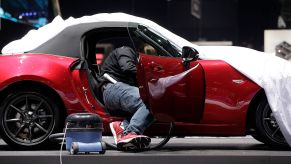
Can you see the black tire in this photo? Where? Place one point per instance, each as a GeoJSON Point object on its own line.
{"type": "Point", "coordinates": [267, 129]}
{"type": "Point", "coordinates": [28, 117]}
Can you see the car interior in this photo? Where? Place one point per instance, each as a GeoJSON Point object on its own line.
{"type": "Point", "coordinates": [100, 43]}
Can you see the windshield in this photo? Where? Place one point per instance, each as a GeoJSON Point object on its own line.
{"type": "Point", "coordinates": [164, 43]}
{"type": "Point", "coordinates": [175, 40]}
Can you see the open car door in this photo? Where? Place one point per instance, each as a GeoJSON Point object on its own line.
{"type": "Point", "coordinates": [173, 91]}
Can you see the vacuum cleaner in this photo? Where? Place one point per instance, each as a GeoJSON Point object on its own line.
{"type": "Point", "coordinates": [83, 133]}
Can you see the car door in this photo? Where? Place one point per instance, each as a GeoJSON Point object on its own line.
{"type": "Point", "coordinates": [172, 91]}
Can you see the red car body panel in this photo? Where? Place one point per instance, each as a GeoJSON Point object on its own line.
{"type": "Point", "coordinates": [50, 70]}
{"type": "Point", "coordinates": [228, 96]}
{"type": "Point", "coordinates": [203, 101]}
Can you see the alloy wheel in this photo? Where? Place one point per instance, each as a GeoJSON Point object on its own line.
{"type": "Point", "coordinates": [28, 119]}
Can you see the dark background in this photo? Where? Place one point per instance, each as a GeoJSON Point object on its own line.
{"type": "Point", "coordinates": [241, 21]}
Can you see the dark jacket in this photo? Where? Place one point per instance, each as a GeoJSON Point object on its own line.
{"type": "Point", "coordinates": [121, 65]}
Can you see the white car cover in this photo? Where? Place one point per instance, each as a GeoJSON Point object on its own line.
{"type": "Point", "coordinates": [270, 72]}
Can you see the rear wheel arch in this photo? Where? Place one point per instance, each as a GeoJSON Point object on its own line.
{"type": "Point", "coordinates": [28, 84]}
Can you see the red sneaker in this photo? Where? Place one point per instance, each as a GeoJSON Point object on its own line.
{"type": "Point", "coordinates": [132, 141]}
{"type": "Point", "coordinates": [116, 130]}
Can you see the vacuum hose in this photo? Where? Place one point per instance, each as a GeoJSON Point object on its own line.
{"type": "Point", "coordinates": [57, 137]}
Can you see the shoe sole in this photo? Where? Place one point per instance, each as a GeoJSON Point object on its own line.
{"type": "Point", "coordinates": [113, 132]}
{"type": "Point", "coordinates": [134, 144]}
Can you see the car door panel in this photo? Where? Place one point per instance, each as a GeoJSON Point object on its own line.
{"type": "Point", "coordinates": [173, 93]}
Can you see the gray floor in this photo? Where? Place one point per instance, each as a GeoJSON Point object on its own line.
{"type": "Point", "coordinates": [238, 150]}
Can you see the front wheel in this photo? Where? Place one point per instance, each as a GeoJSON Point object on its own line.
{"type": "Point", "coordinates": [267, 127]}
{"type": "Point", "coordinates": [27, 118]}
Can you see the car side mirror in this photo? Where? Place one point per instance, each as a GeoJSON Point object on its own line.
{"type": "Point", "coordinates": [189, 54]}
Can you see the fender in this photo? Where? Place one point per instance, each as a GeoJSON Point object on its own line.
{"type": "Point", "coordinates": [228, 94]}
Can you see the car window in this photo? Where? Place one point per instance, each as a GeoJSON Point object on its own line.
{"type": "Point", "coordinates": [162, 42]}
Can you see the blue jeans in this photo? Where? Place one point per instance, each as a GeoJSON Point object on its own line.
{"type": "Point", "coordinates": [123, 98]}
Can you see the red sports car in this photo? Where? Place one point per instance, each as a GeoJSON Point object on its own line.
{"type": "Point", "coordinates": [57, 77]}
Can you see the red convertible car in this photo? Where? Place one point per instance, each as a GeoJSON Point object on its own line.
{"type": "Point", "coordinates": [40, 87]}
